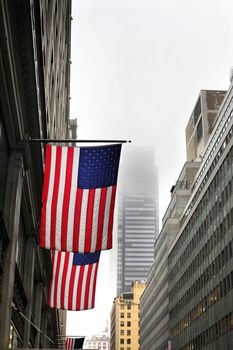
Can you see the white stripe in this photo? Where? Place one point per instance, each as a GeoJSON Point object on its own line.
{"type": "Point", "coordinates": [60, 198]}
{"type": "Point", "coordinates": [60, 274]}
{"type": "Point", "coordinates": [53, 279]}
{"type": "Point", "coordinates": [95, 219]}
{"type": "Point", "coordinates": [83, 220]}
{"type": "Point", "coordinates": [67, 284]}
{"type": "Point", "coordinates": [75, 289]}
{"type": "Point", "coordinates": [50, 196]}
{"type": "Point", "coordinates": [83, 292]}
{"type": "Point", "coordinates": [73, 192]}
{"type": "Point", "coordinates": [91, 286]}
{"type": "Point", "coordinates": [106, 217]}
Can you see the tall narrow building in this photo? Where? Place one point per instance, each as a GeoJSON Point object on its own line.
{"type": "Point", "coordinates": [125, 319]}
{"type": "Point", "coordinates": [137, 217]}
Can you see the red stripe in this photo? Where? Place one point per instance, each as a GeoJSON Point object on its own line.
{"type": "Point", "coordinates": [87, 289]}
{"type": "Point", "coordinates": [50, 289]}
{"type": "Point", "coordinates": [45, 194]}
{"type": "Point", "coordinates": [55, 195]}
{"type": "Point", "coordinates": [111, 216]}
{"type": "Point", "coordinates": [57, 273]}
{"type": "Point", "coordinates": [80, 283]}
{"type": "Point", "coordinates": [71, 287]}
{"type": "Point", "coordinates": [77, 216]}
{"type": "Point", "coordinates": [89, 220]}
{"type": "Point", "coordinates": [66, 199]}
{"type": "Point", "coordinates": [103, 195]}
{"type": "Point", "coordinates": [64, 277]}
{"type": "Point", "coordinates": [94, 286]}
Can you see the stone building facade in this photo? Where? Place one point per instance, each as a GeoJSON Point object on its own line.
{"type": "Point", "coordinates": [34, 101]}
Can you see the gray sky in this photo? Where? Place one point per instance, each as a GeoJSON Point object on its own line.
{"type": "Point", "coordinates": [137, 69]}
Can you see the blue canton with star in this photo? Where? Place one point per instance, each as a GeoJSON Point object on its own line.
{"type": "Point", "coordinates": [98, 166]}
{"type": "Point", "coordinates": [86, 258]}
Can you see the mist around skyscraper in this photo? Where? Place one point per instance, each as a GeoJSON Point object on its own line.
{"type": "Point", "coordinates": [137, 216]}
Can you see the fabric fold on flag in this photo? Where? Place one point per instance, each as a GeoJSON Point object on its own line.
{"type": "Point", "coordinates": [74, 343]}
{"type": "Point", "coordinates": [78, 198]}
{"type": "Point", "coordinates": [73, 282]}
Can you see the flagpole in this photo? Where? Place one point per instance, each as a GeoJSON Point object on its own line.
{"type": "Point", "coordinates": [77, 141]}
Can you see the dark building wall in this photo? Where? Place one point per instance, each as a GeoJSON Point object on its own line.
{"type": "Point", "coordinates": [24, 111]}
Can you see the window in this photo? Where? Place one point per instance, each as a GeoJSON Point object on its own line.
{"type": "Point", "coordinates": [128, 332]}
{"type": "Point", "coordinates": [122, 341]}
{"type": "Point", "coordinates": [128, 341]}
{"type": "Point", "coordinates": [128, 323]}
{"type": "Point", "coordinates": [122, 314]}
{"type": "Point", "coordinates": [128, 314]}
{"type": "Point", "coordinates": [122, 323]}
{"type": "Point", "coordinates": [122, 332]}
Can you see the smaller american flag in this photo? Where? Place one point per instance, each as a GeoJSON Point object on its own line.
{"type": "Point", "coordinates": [74, 343]}
{"type": "Point", "coordinates": [73, 280]}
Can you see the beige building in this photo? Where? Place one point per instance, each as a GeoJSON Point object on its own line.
{"type": "Point", "coordinates": [125, 318]}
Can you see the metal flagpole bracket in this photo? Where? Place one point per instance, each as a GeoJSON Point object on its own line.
{"type": "Point", "coordinates": [75, 141]}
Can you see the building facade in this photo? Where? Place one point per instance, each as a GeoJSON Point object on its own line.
{"type": "Point", "coordinates": [137, 218]}
{"type": "Point", "coordinates": [98, 342]}
{"type": "Point", "coordinates": [34, 101]}
{"type": "Point", "coordinates": [200, 259]}
{"type": "Point", "coordinates": [157, 312]}
{"type": "Point", "coordinates": [125, 318]}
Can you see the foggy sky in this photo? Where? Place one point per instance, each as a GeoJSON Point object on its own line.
{"type": "Point", "coordinates": [137, 69]}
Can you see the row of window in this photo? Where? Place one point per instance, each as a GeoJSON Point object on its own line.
{"type": "Point", "coordinates": [212, 334]}
{"type": "Point", "coordinates": [122, 341]}
{"type": "Point", "coordinates": [122, 332]}
{"type": "Point", "coordinates": [216, 237]}
{"type": "Point", "coordinates": [212, 166]}
{"type": "Point", "coordinates": [215, 295]}
{"type": "Point", "coordinates": [224, 172]}
{"type": "Point", "coordinates": [122, 323]}
{"type": "Point", "coordinates": [192, 221]}
{"type": "Point", "coordinates": [220, 261]}
{"type": "Point", "coordinates": [122, 315]}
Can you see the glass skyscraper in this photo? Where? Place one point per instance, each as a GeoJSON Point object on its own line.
{"type": "Point", "coordinates": [137, 217]}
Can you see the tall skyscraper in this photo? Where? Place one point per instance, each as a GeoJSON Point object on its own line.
{"type": "Point", "coordinates": [137, 217]}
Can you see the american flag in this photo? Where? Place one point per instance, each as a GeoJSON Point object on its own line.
{"type": "Point", "coordinates": [78, 198]}
{"type": "Point", "coordinates": [73, 280]}
{"type": "Point", "coordinates": [74, 343]}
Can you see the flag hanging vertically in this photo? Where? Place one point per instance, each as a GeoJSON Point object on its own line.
{"type": "Point", "coordinates": [74, 343]}
{"type": "Point", "coordinates": [73, 280]}
{"type": "Point", "coordinates": [79, 197]}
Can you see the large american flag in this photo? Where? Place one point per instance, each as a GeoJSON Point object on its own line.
{"type": "Point", "coordinates": [73, 280]}
{"type": "Point", "coordinates": [74, 343]}
{"type": "Point", "coordinates": [78, 197]}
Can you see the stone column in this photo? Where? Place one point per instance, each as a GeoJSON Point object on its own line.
{"type": "Point", "coordinates": [11, 216]}
{"type": "Point", "coordinates": [29, 266]}
{"type": "Point", "coordinates": [44, 323]}
{"type": "Point", "coordinates": [37, 311]}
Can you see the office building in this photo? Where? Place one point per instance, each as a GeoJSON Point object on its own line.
{"type": "Point", "coordinates": [201, 259]}
{"type": "Point", "coordinates": [98, 342]}
{"type": "Point", "coordinates": [125, 318]}
{"type": "Point", "coordinates": [156, 320]}
{"type": "Point", "coordinates": [34, 101]}
{"type": "Point", "coordinates": [137, 217]}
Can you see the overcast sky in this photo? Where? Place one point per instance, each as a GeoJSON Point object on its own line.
{"type": "Point", "coordinates": [137, 68]}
